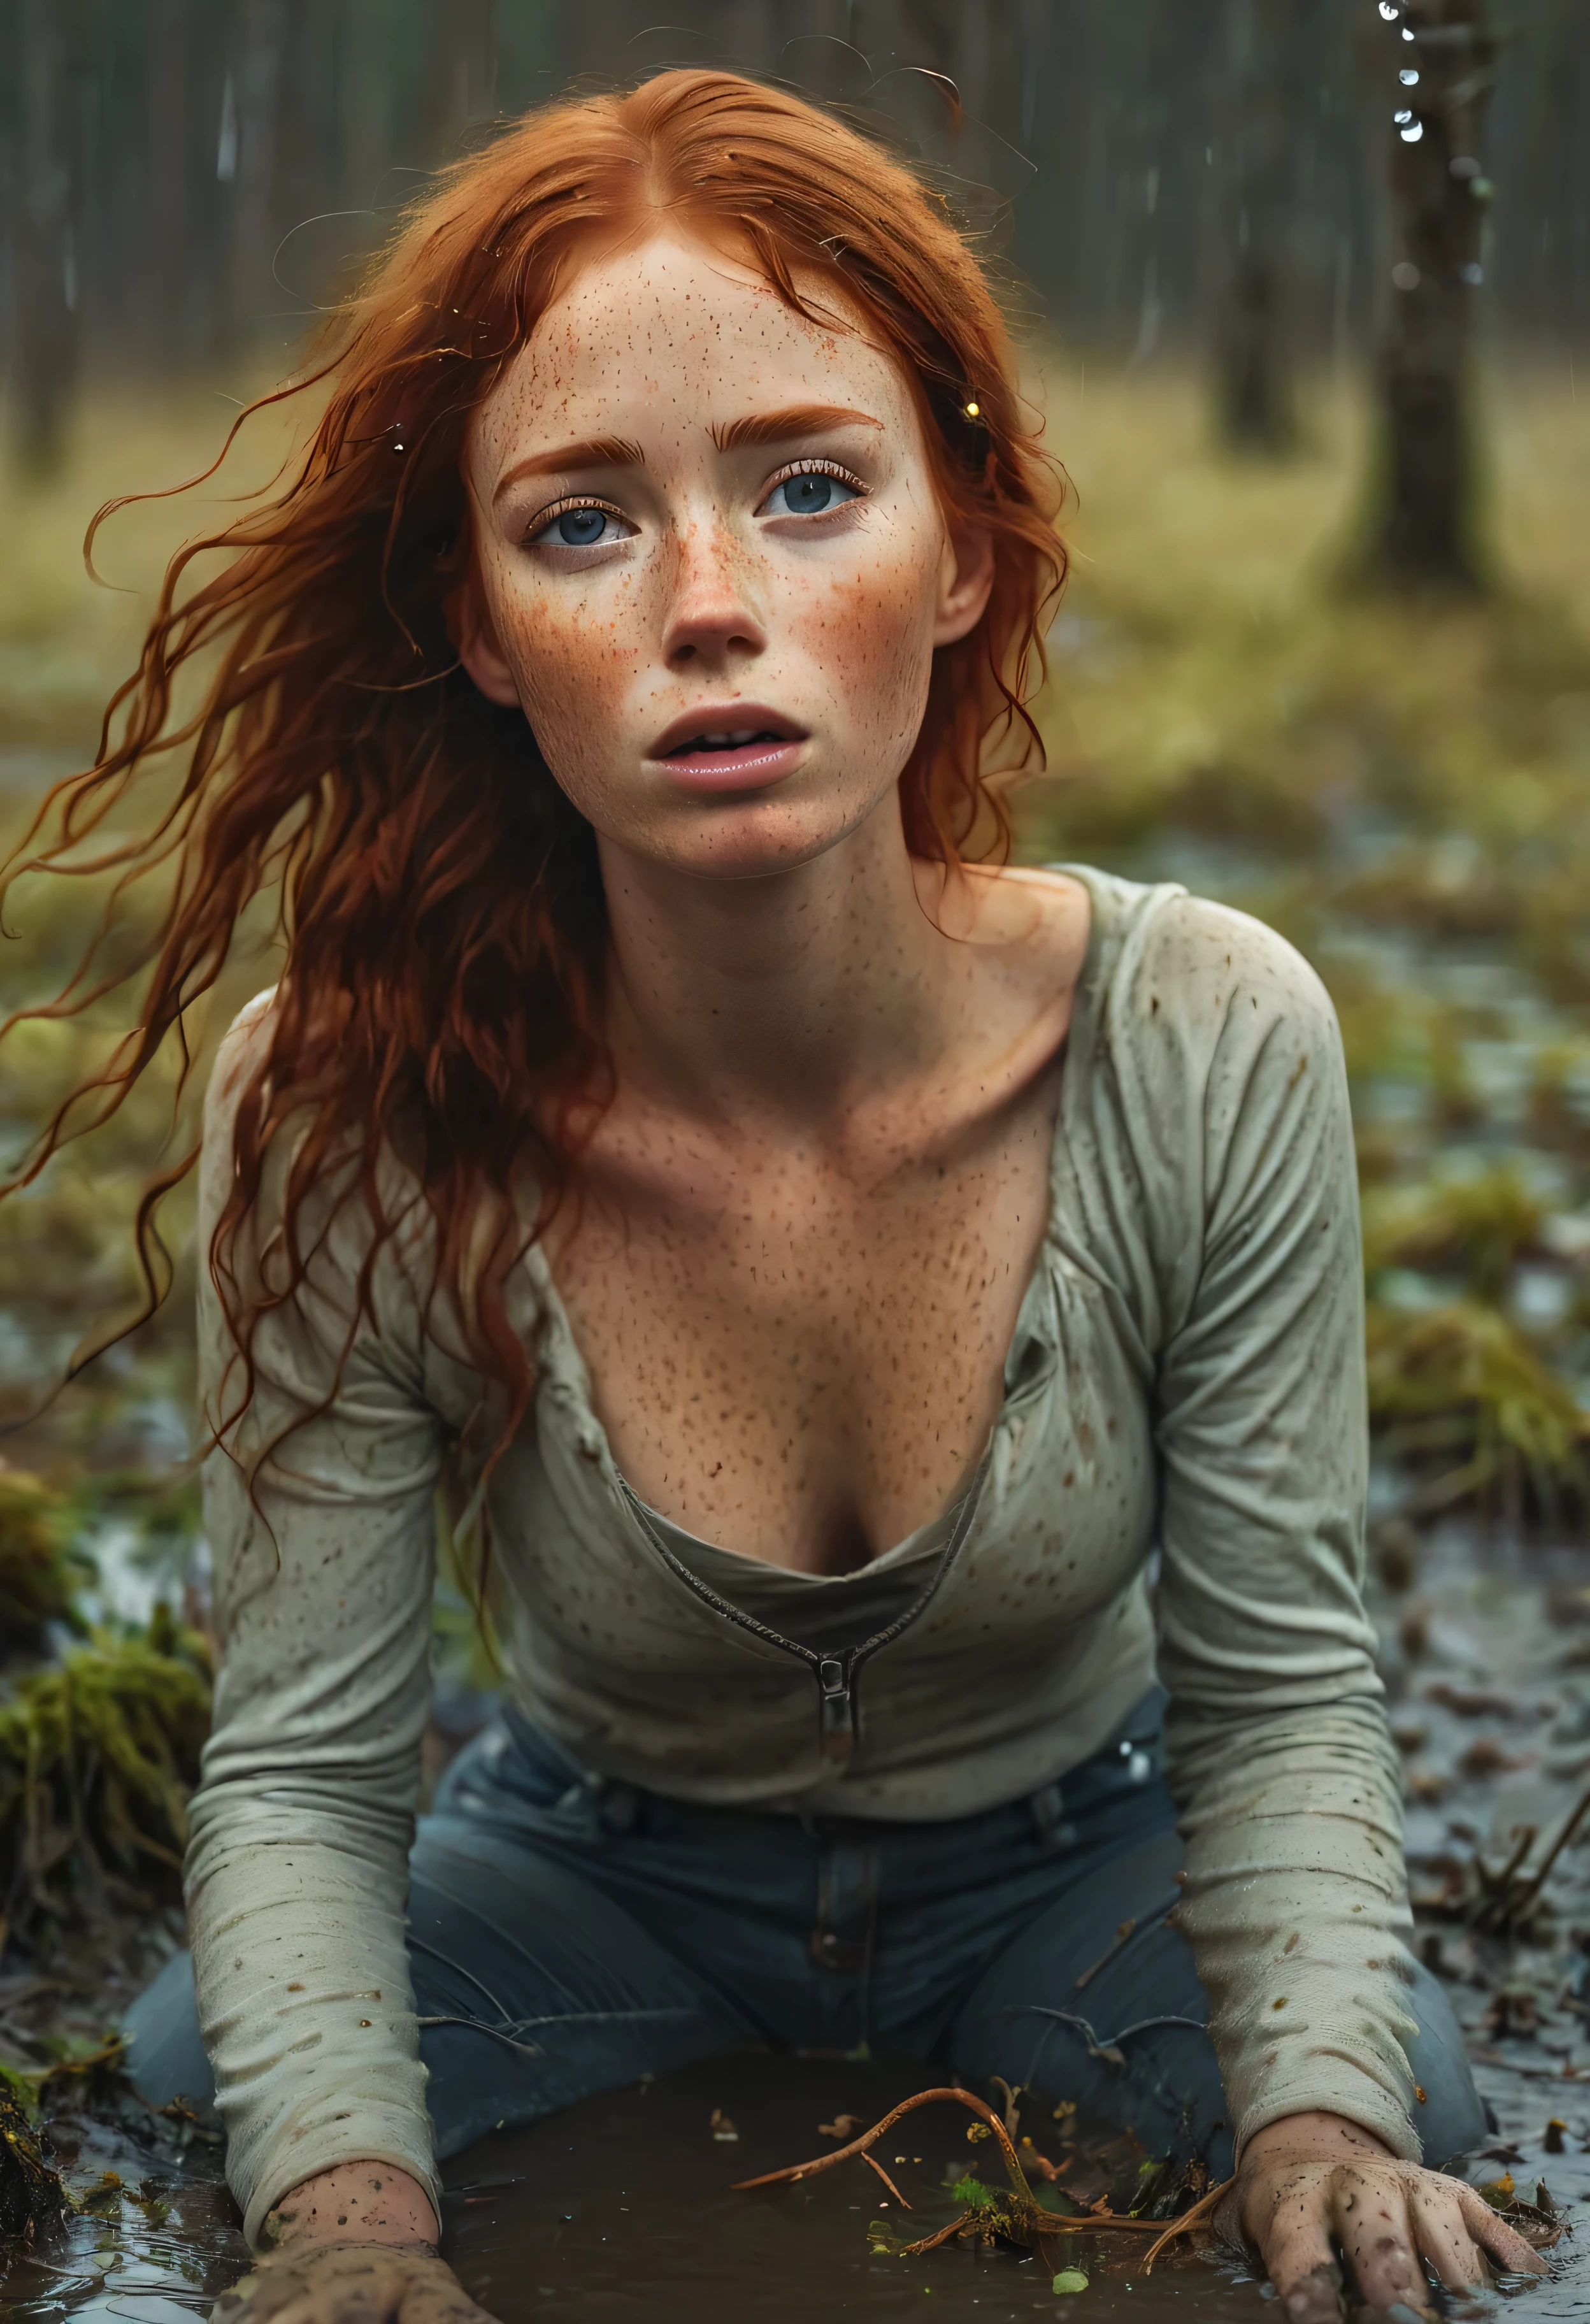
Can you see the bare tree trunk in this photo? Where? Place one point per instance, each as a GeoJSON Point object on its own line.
{"type": "Point", "coordinates": [1253, 351]}
{"type": "Point", "coordinates": [246, 161]}
{"type": "Point", "coordinates": [461, 75]}
{"type": "Point", "coordinates": [165, 256]}
{"type": "Point", "coordinates": [45, 350]}
{"type": "Point", "coordinates": [1439, 91]}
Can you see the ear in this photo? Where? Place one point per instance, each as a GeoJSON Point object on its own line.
{"type": "Point", "coordinates": [965, 577]}
{"type": "Point", "coordinates": [475, 635]}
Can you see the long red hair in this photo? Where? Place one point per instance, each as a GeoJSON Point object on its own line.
{"type": "Point", "coordinates": [440, 905]}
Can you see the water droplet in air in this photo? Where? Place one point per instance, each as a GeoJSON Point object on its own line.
{"type": "Point", "coordinates": [1405, 275]}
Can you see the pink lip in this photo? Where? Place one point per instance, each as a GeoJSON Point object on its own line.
{"type": "Point", "coordinates": [750, 768]}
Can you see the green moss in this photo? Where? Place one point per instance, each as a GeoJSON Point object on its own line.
{"type": "Point", "coordinates": [98, 1755]}
{"type": "Point", "coordinates": [40, 1574]}
{"type": "Point", "coordinates": [1459, 1394]}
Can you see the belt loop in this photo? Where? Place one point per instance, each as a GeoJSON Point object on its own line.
{"type": "Point", "coordinates": [1047, 1808]}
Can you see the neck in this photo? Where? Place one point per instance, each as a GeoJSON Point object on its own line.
{"type": "Point", "coordinates": [779, 996]}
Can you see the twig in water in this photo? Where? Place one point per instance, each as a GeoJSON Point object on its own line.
{"type": "Point", "coordinates": [873, 2163]}
{"type": "Point", "coordinates": [1018, 2217]}
{"type": "Point", "coordinates": [1193, 2218]}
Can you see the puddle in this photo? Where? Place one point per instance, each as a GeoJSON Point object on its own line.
{"type": "Point", "coordinates": [156, 2251]}
{"type": "Point", "coordinates": [624, 2206]}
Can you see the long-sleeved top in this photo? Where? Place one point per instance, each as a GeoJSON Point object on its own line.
{"type": "Point", "coordinates": [1186, 1376]}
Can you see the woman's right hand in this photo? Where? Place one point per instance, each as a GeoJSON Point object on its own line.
{"type": "Point", "coordinates": [350, 2284]}
{"type": "Point", "coordinates": [355, 2246]}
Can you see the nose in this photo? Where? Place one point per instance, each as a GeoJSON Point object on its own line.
{"type": "Point", "coordinates": [710, 621]}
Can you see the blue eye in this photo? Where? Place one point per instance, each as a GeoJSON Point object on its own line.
{"type": "Point", "coordinates": [578, 528]}
{"type": "Point", "coordinates": [581, 527]}
{"type": "Point", "coordinates": [809, 494]}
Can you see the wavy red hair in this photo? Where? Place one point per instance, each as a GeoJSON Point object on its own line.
{"type": "Point", "coordinates": [443, 916]}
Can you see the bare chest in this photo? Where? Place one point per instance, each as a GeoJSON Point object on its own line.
{"type": "Point", "coordinates": [795, 1361]}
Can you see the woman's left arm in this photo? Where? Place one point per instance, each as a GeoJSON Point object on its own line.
{"type": "Point", "coordinates": [1294, 1895]}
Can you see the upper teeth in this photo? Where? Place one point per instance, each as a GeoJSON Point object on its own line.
{"type": "Point", "coordinates": [741, 734]}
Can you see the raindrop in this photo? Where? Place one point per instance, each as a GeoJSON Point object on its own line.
{"type": "Point", "coordinates": [1412, 137]}
{"type": "Point", "coordinates": [1405, 275]}
{"type": "Point", "coordinates": [1406, 35]}
{"type": "Point", "coordinates": [1474, 272]}
{"type": "Point", "coordinates": [1403, 116]}
{"type": "Point", "coordinates": [1464, 165]}
{"type": "Point", "coordinates": [1390, 11]}
{"type": "Point", "coordinates": [1407, 76]}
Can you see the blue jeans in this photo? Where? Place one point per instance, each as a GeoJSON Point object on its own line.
{"type": "Point", "coordinates": [569, 1935]}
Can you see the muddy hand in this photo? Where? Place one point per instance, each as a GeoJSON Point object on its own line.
{"type": "Point", "coordinates": [1314, 2184]}
{"type": "Point", "coordinates": [349, 2284]}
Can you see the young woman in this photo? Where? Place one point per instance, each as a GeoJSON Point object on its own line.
{"type": "Point", "coordinates": [863, 1304]}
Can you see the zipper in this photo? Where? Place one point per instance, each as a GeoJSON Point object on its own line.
{"type": "Point", "coordinates": [836, 1673]}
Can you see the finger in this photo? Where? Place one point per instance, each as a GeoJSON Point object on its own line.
{"type": "Point", "coordinates": [1442, 2233]}
{"type": "Point", "coordinates": [1372, 2224]}
{"type": "Point", "coordinates": [290, 2295]}
{"type": "Point", "coordinates": [1505, 2246]}
{"type": "Point", "coordinates": [1294, 2244]}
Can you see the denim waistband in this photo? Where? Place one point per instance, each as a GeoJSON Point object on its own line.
{"type": "Point", "coordinates": [1131, 1759]}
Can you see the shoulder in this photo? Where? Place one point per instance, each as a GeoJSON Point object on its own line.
{"type": "Point", "coordinates": [1207, 1051]}
{"type": "Point", "coordinates": [1177, 981]}
{"type": "Point", "coordinates": [330, 1204]}
{"type": "Point", "coordinates": [242, 1050]}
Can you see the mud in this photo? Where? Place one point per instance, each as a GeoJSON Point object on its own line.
{"type": "Point", "coordinates": [626, 2205]}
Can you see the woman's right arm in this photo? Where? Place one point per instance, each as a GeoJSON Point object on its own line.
{"type": "Point", "coordinates": [297, 1864]}
{"type": "Point", "coordinates": [354, 2245]}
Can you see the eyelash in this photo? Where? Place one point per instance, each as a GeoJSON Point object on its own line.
{"type": "Point", "coordinates": [544, 517]}
{"type": "Point", "coordinates": [810, 467]}
{"type": "Point", "coordinates": [815, 468]}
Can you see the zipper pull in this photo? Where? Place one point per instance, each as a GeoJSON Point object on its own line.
{"type": "Point", "coordinates": [836, 1709]}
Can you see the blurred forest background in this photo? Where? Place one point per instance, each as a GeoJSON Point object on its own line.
{"type": "Point", "coordinates": [1303, 288]}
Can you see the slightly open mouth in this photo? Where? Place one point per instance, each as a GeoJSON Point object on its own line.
{"type": "Point", "coordinates": [743, 739]}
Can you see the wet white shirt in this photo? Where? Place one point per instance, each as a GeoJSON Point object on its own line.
{"type": "Point", "coordinates": [1186, 1374]}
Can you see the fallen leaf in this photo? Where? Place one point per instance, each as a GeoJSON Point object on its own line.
{"type": "Point", "coordinates": [1472, 1702]}
{"type": "Point", "coordinates": [1069, 2279]}
{"type": "Point", "coordinates": [722, 2128]}
{"type": "Point", "coordinates": [1486, 1757]}
{"type": "Point", "coordinates": [845, 2125]}
{"type": "Point", "coordinates": [1512, 2013]}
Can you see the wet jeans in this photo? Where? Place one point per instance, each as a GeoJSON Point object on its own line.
{"type": "Point", "coordinates": [569, 1935]}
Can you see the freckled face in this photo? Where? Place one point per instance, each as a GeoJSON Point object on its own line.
{"type": "Point", "coordinates": [712, 565]}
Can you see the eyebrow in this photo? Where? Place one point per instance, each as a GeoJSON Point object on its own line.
{"type": "Point", "coordinates": [595, 452]}
{"type": "Point", "coordinates": [794, 419]}
{"type": "Point", "coordinates": [756, 427]}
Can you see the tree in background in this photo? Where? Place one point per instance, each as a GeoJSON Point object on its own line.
{"type": "Point", "coordinates": [1255, 339]}
{"type": "Point", "coordinates": [1441, 67]}
{"type": "Point", "coordinates": [177, 175]}
{"type": "Point", "coordinates": [43, 198]}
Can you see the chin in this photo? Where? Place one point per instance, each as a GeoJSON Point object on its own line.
{"type": "Point", "coordinates": [753, 838]}
{"type": "Point", "coordinates": [757, 841]}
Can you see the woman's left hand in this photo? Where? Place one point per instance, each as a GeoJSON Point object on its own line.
{"type": "Point", "coordinates": [1314, 2183]}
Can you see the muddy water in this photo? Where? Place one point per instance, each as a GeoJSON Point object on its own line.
{"type": "Point", "coordinates": [624, 2208]}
